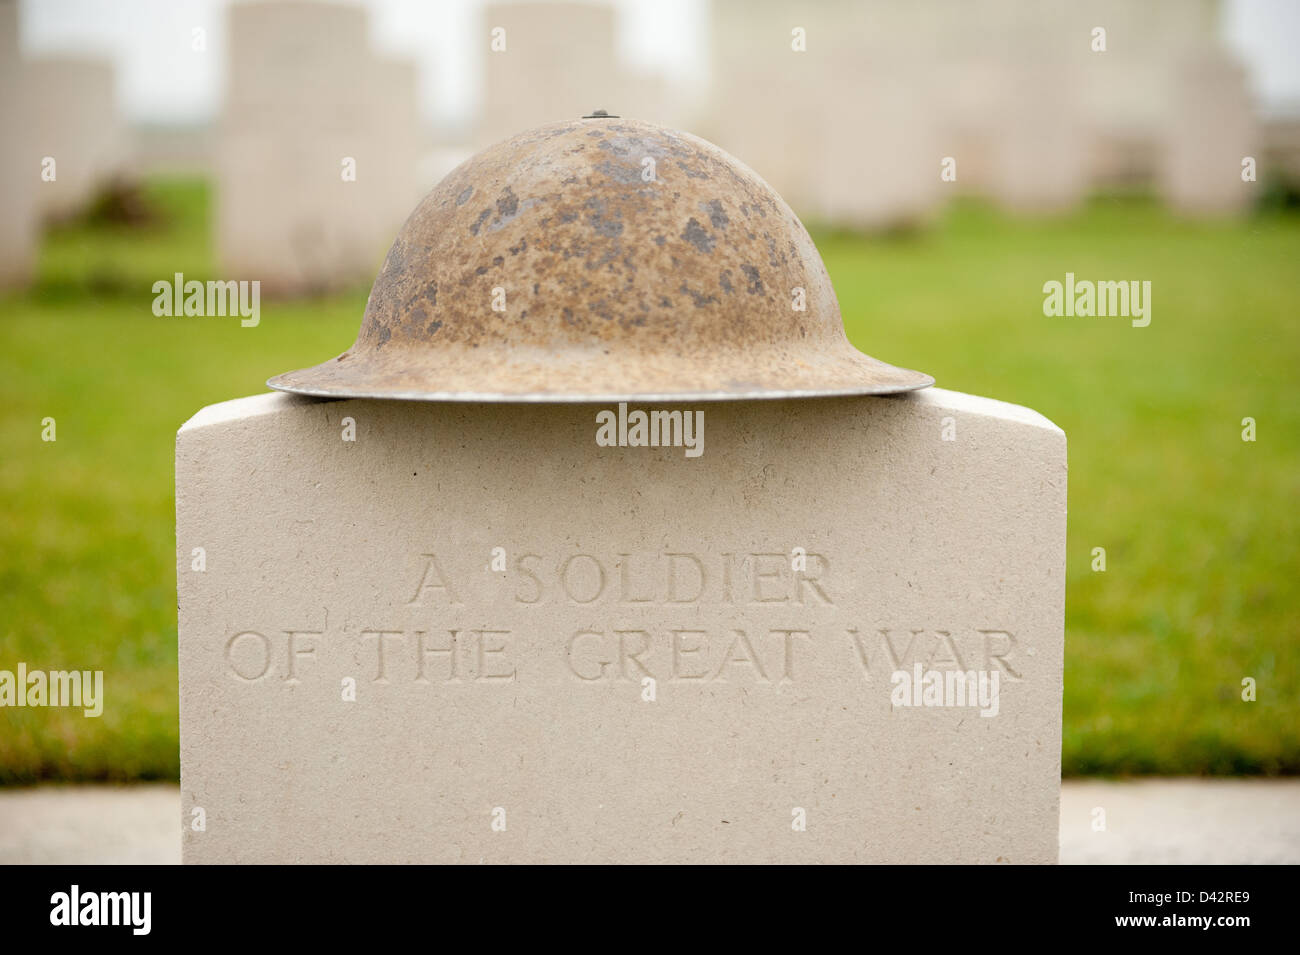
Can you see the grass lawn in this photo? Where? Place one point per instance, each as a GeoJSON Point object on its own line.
{"type": "Point", "coordinates": [1201, 529]}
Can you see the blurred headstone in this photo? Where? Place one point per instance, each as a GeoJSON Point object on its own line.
{"type": "Point", "coordinates": [849, 108]}
{"type": "Point", "coordinates": [77, 124]}
{"type": "Point", "coordinates": [546, 62]}
{"type": "Point", "coordinates": [19, 177]}
{"type": "Point", "coordinates": [1209, 130]}
{"type": "Point", "coordinates": [318, 147]}
{"type": "Point", "coordinates": [880, 169]}
{"type": "Point", "coordinates": [1129, 93]}
{"type": "Point", "coordinates": [829, 105]}
{"type": "Point", "coordinates": [761, 104]}
{"type": "Point", "coordinates": [63, 141]}
{"type": "Point", "coordinates": [1039, 155]}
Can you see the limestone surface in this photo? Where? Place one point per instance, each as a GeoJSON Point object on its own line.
{"type": "Point", "coordinates": [435, 632]}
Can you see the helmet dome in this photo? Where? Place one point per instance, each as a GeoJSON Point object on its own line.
{"type": "Point", "coordinates": [601, 259]}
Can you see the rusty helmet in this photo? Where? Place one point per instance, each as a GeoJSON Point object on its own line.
{"type": "Point", "coordinates": [601, 259]}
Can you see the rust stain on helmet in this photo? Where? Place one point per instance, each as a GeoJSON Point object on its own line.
{"type": "Point", "coordinates": [601, 259]}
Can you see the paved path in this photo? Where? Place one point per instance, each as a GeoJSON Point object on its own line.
{"type": "Point", "coordinates": [1153, 821]}
{"type": "Point", "coordinates": [95, 825]}
{"type": "Point", "coordinates": [1182, 821]}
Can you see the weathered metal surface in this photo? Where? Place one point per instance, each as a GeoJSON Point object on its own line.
{"type": "Point", "coordinates": [601, 259]}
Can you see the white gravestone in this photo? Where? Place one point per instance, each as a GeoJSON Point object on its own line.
{"type": "Point", "coordinates": [1209, 132]}
{"type": "Point", "coordinates": [318, 147]}
{"type": "Point", "coordinates": [19, 176]}
{"type": "Point", "coordinates": [471, 633]}
{"type": "Point", "coordinates": [76, 124]}
{"type": "Point", "coordinates": [544, 62]}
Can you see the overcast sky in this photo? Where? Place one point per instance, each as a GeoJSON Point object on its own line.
{"type": "Point", "coordinates": [161, 79]}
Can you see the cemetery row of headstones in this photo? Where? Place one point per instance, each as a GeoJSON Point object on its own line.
{"type": "Point", "coordinates": [861, 115]}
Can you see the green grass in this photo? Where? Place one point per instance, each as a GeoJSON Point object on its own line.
{"type": "Point", "coordinates": [1200, 528]}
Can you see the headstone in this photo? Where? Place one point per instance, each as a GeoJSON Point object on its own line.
{"type": "Point", "coordinates": [1039, 151]}
{"type": "Point", "coordinates": [1209, 130]}
{"type": "Point", "coordinates": [64, 140]}
{"type": "Point", "coordinates": [849, 108]}
{"type": "Point", "coordinates": [1038, 147]}
{"type": "Point", "coordinates": [833, 104]}
{"type": "Point", "coordinates": [445, 632]}
{"type": "Point", "coordinates": [545, 62]}
{"type": "Point", "coordinates": [317, 149]}
{"type": "Point", "coordinates": [1127, 92]}
{"type": "Point", "coordinates": [764, 102]}
{"type": "Point", "coordinates": [880, 170]}
{"type": "Point", "coordinates": [75, 123]}
{"type": "Point", "coordinates": [19, 178]}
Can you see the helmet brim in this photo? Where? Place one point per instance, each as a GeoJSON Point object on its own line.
{"type": "Point", "coordinates": [591, 375]}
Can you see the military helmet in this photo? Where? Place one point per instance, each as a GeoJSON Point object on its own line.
{"type": "Point", "coordinates": [601, 259]}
